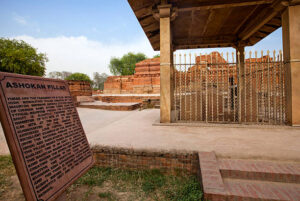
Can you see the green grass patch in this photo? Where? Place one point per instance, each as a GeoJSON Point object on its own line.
{"type": "Point", "coordinates": [112, 184]}
{"type": "Point", "coordinates": [144, 183]}
{"type": "Point", "coordinates": [108, 195]}
{"type": "Point", "coordinates": [7, 170]}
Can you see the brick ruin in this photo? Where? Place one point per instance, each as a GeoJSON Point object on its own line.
{"type": "Point", "coordinates": [81, 91]}
{"type": "Point", "coordinates": [146, 80]}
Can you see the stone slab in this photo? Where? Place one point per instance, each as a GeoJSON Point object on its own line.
{"type": "Point", "coordinates": [111, 106]}
{"type": "Point", "coordinates": [44, 134]}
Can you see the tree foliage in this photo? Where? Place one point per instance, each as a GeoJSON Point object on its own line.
{"type": "Point", "coordinates": [126, 64]}
{"type": "Point", "coordinates": [19, 57]}
{"type": "Point", "coordinates": [79, 77]}
{"type": "Point", "coordinates": [98, 80]}
{"type": "Point", "coordinates": [59, 75]}
{"type": "Point", "coordinates": [156, 56]}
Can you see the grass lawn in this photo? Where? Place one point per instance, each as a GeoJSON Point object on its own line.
{"type": "Point", "coordinates": [111, 184]}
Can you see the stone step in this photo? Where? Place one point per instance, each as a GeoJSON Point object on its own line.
{"type": "Point", "coordinates": [248, 180]}
{"type": "Point", "coordinates": [261, 190]}
{"type": "Point", "coordinates": [111, 106]}
{"type": "Point", "coordinates": [260, 170]}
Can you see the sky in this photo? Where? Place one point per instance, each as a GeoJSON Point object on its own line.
{"type": "Point", "coordinates": [82, 36]}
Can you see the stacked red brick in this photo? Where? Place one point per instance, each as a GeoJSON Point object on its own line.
{"type": "Point", "coordinates": [146, 80]}
{"type": "Point", "coordinates": [80, 88]}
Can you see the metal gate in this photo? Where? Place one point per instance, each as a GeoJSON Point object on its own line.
{"type": "Point", "coordinates": [223, 89]}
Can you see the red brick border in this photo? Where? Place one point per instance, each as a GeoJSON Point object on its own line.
{"type": "Point", "coordinates": [169, 162]}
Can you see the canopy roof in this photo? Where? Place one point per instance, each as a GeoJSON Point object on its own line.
{"type": "Point", "coordinates": [212, 23]}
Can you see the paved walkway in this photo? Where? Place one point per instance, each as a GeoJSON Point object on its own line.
{"type": "Point", "coordinates": [134, 129]}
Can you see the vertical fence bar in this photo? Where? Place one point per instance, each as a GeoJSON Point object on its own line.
{"type": "Point", "coordinates": [263, 88]}
{"type": "Point", "coordinates": [206, 94]}
{"type": "Point", "coordinates": [201, 89]}
{"type": "Point", "coordinates": [223, 87]}
{"type": "Point", "coordinates": [233, 89]}
{"type": "Point", "coordinates": [280, 88]}
{"type": "Point", "coordinates": [268, 93]}
{"type": "Point", "coordinates": [190, 68]}
{"type": "Point", "coordinates": [256, 86]}
{"type": "Point", "coordinates": [250, 83]}
{"type": "Point", "coordinates": [217, 74]}
{"type": "Point", "coordinates": [228, 86]}
{"type": "Point", "coordinates": [211, 75]}
{"type": "Point", "coordinates": [245, 88]}
{"type": "Point", "coordinates": [185, 102]}
{"type": "Point", "coordinates": [283, 90]}
{"type": "Point", "coordinates": [196, 88]}
{"type": "Point", "coordinates": [180, 88]}
{"type": "Point", "coordinates": [274, 88]}
{"type": "Point", "coordinates": [175, 89]}
{"type": "Point", "coordinates": [238, 73]}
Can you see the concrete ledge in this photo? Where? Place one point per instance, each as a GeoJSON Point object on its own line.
{"type": "Point", "coordinates": [111, 106]}
{"type": "Point", "coordinates": [226, 125]}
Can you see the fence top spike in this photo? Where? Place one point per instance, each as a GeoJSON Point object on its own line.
{"type": "Point", "coordinates": [255, 53]}
{"type": "Point", "coordinates": [268, 52]}
{"type": "Point", "coordinates": [238, 53]}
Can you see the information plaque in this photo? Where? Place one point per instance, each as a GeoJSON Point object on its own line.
{"type": "Point", "coordinates": [44, 134]}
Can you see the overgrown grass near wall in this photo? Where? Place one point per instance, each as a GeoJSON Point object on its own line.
{"type": "Point", "coordinates": [141, 184]}
{"type": "Point", "coordinates": [104, 183]}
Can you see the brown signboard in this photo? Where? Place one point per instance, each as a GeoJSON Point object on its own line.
{"type": "Point", "coordinates": [44, 134]}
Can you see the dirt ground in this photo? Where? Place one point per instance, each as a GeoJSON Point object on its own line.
{"type": "Point", "coordinates": [75, 193]}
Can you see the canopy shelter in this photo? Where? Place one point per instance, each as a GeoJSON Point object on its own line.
{"type": "Point", "coordinates": [185, 24]}
{"type": "Point", "coordinates": [206, 23]}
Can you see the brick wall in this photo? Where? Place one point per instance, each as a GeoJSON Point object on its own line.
{"type": "Point", "coordinates": [169, 162]}
{"type": "Point", "coordinates": [80, 88]}
{"type": "Point", "coordinates": [146, 80]}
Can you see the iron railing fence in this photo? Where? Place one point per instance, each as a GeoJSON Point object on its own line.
{"type": "Point", "coordinates": [223, 89]}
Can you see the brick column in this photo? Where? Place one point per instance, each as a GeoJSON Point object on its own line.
{"type": "Point", "coordinates": [291, 54]}
{"type": "Point", "coordinates": [166, 64]}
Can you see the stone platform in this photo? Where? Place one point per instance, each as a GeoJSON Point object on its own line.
{"type": "Point", "coordinates": [236, 163]}
{"type": "Point", "coordinates": [110, 106]}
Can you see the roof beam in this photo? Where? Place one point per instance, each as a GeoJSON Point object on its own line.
{"type": "Point", "coordinates": [217, 5]}
{"type": "Point", "coordinates": [195, 46]}
{"type": "Point", "coordinates": [260, 20]}
{"type": "Point", "coordinates": [214, 41]}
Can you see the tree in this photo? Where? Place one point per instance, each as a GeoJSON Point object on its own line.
{"type": "Point", "coordinates": [19, 57]}
{"type": "Point", "coordinates": [99, 79]}
{"type": "Point", "coordinates": [59, 75]}
{"type": "Point", "coordinates": [79, 77]}
{"type": "Point", "coordinates": [156, 56]}
{"type": "Point", "coordinates": [126, 64]}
